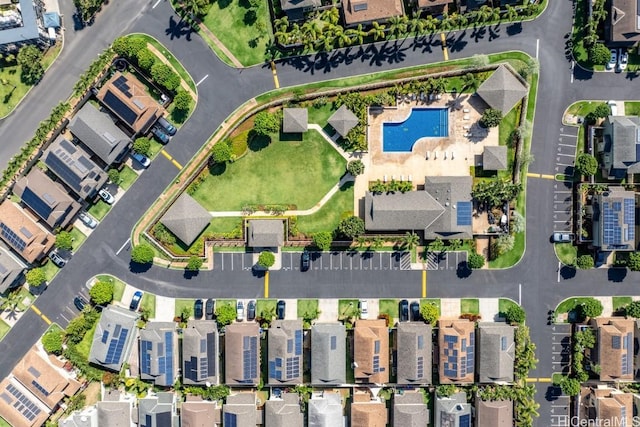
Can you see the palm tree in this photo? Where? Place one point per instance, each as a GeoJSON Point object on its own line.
{"type": "Point", "coordinates": [431, 24]}
{"type": "Point", "coordinates": [511, 13]}
{"type": "Point", "coordinates": [377, 242]}
{"type": "Point", "coordinates": [398, 25]}
{"type": "Point", "coordinates": [331, 16]}
{"type": "Point", "coordinates": [470, 81]}
{"type": "Point", "coordinates": [281, 24]}
{"type": "Point", "coordinates": [485, 13]}
{"type": "Point", "coordinates": [343, 37]}
{"type": "Point", "coordinates": [410, 240]}
{"type": "Point", "coordinates": [495, 14]}
{"type": "Point", "coordinates": [11, 304]}
{"type": "Point", "coordinates": [438, 85]}
{"type": "Point", "coordinates": [361, 241]}
{"type": "Point", "coordinates": [417, 24]}
{"type": "Point", "coordinates": [377, 30]}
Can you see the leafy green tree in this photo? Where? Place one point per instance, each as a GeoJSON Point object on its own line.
{"type": "Point", "coordinates": [142, 253]}
{"type": "Point", "coordinates": [355, 167]}
{"type": "Point", "coordinates": [146, 59]}
{"type": "Point", "coordinates": [503, 244]}
{"type": "Point", "coordinates": [633, 309]}
{"type": "Point", "coordinates": [165, 76]}
{"type": "Point", "coordinates": [322, 240]}
{"type": "Point", "coordinates": [194, 263]}
{"type": "Point", "coordinates": [30, 61]}
{"type": "Point", "coordinates": [221, 152]}
{"type": "Point", "coordinates": [142, 145]}
{"type": "Point", "coordinates": [585, 262]}
{"type": "Point", "coordinates": [446, 390]}
{"type": "Point", "coordinates": [266, 123]}
{"type": "Point", "coordinates": [436, 245]}
{"type": "Point", "coordinates": [602, 110]}
{"type": "Point", "coordinates": [101, 292]}
{"type": "Point", "coordinates": [599, 54]}
{"type": "Point", "coordinates": [491, 118]}
{"type": "Point", "coordinates": [36, 277]}
{"type": "Point", "coordinates": [475, 260]}
{"type": "Point", "coordinates": [52, 342]}
{"type": "Point", "coordinates": [591, 308]}
{"type": "Point", "coordinates": [76, 329]}
{"type": "Point", "coordinates": [410, 240]}
{"type": "Point", "coordinates": [182, 101]}
{"type": "Point", "coordinates": [430, 313]}
{"type": "Point", "coordinates": [266, 259]}
{"type": "Point", "coordinates": [569, 386]}
{"type": "Point", "coordinates": [515, 314]}
{"type": "Point", "coordinates": [225, 314]}
{"type": "Point", "coordinates": [470, 81]}
{"type": "Point", "coordinates": [586, 164]}
{"type": "Point", "coordinates": [351, 227]}
{"type": "Point", "coordinates": [114, 176]}
{"type": "Point", "coordinates": [633, 262]}
{"type": "Point", "coordinates": [64, 240]}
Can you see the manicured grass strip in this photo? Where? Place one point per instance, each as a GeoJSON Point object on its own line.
{"type": "Point", "coordinates": [230, 302]}
{"type": "Point", "coordinates": [347, 307]}
{"type": "Point", "coordinates": [84, 346]}
{"type": "Point", "coordinates": [118, 285]}
{"type": "Point", "coordinates": [556, 377]}
{"type": "Point", "coordinates": [181, 303]}
{"type": "Point", "coordinates": [327, 218]}
{"type": "Point", "coordinates": [504, 304]}
{"type": "Point", "coordinates": [127, 177]}
{"type": "Point", "coordinates": [631, 108]}
{"type": "Point", "coordinates": [620, 302]}
{"type": "Point", "coordinates": [470, 305]}
{"type": "Point", "coordinates": [4, 329]}
{"type": "Point", "coordinates": [78, 238]}
{"type": "Point", "coordinates": [50, 270]}
{"type": "Point", "coordinates": [566, 252]}
{"type": "Point", "coordinates": [24, 294]}
{"type": "Point", "coordinates": [4, 423]}
{"type": "Point", "coordinates": [266, 307]}
{"type": "Point", "coordinates": [99, 210]}
{"type": "Point", "coordinates": [433, 301]}
{"type": "Point", "coordinates": [570, 303]}
{"type": "Point", "coordinates": [320, 115]}
{"type": "Point", "coordinates": [307, 306]}
{"type": "Point", "coordinates": [390, 307]}
{"type": "Point", "coordinates": [513, 256]}
{"type": "Point", "coordinates": [149, 303]}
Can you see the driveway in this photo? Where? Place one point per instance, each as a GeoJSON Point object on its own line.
{"type": "Point", "coordinates": [562, 191]}
{"type": "Point", "coordinates": [449, 260]}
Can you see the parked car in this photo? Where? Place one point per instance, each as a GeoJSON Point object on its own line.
{"type": "Point", "coordinates": [210, 308]}
{"type": "Point", "coordinates": [613, 60]}
{"type": "Point", "coordinates": [305, 261]}
{"type": "Point", "coordinates": [197, 309]}
{"type": "Point", "coordinates": [142, 159]}
{"type": "Point", "coordinates": [135, 301]}
{"type": "Point", "coordinates": [613, 105]}
{"type": "Point", "coordinates": [57, 259]}
{"type": "Point", "coordinates": [87, 220]}
{"type": "Point", "coordinates": [251, 310]}
{"type": "Point", "coordinates": [404, 310]}
{"type": "Point", "coordinates": [160, 134]}
{"type": "Point", "coordinates": [167, 126]}
{"type": "Point", "coordinates": [363, 305]}
{"type": "Point", "coordinates": [80, 303]}
{"type": "Point", "coordinates": [240, 311]}
{"type": "Point", "coordinates": [415, 311]}
{"type": "Point", "coordinates": [623, 60]}
{"type": "Point", "coordinates": [562, 238]}
{"type": "Point", "coordinates": [106, 196]}
{"type": "Point", "coordinates": [280, 308]}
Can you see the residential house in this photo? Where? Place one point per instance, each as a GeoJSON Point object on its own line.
{"type": "Point", "coordinates": [47, 199]}
{"type": "Point", "coordinates": [200, 350]}
{"type": "Point", "coordinates": [196, 412]}
{"type": "Point", "coordinates": [343, 120]}
{"type": "Point", "coordinates": [621, 146]}
{"type": "Point", "coordinates": [367, 11]}
{"type": "Point", "coordinates": [496, 352]}
{"type": "Point", "coordinates": [158, 410]}
{"type": "Point", "coordinates": [503, 89]}
{"type": "Point", "coordinates": [295, 120]}
{"type": "Point", "coordinates": [497, 413]}
{"type": "Point", "coordinates": [494, 158]}
{"type": "Point", "coordinates": [453, 411]}
{"type": "Point", "coordinates": [113, 338]}
{"type": "Point", "coordinates": [159, 353]}
{"type": "Point", "coordinates": [413, 353]}
{"type": "Point", "coordinates": [371, 351]}
{"type": "Point", "coordinates": [367, 411]}
{"type": "Point", "coordinates": [296, 9]}
{"type": "Point", "coordinates": [128, 99]}
{"type": "Point", "coordinates": [284, 411]}
{"type": "Point", "coordinates": [100, 134]}
{"type": "Point", "coordinates": [74, 167]}
{"type": "Point", "coordinates": [614, 220]}
{"type": "Point", "coordinates": [325, 409]}
{"type": "Point", "coordinates": [436, 7]}
{"type": "Point", "coordinates": [328, 354]}
{"type": "Point", "coordinates": [265, 233]}
{"type": "Point", "coordinates": [86, 417]}
{"type": "Point", "coordinates": [186, 219]}
{"type": "Point", "coordinates": [614, 348]}
{"type": "Point", "coordinates": [456, 344]}
{"type": "Point", "coordinates": [23, 234]}
{"type": "Point", "coordinates": [410, 409]}
{"type": "Point", "coordinates": [10, 270]}
{"type": "Point", "coordinates": [19, 407]}
{"type": "Point", "coordinates": [22, 24]}
{"type": "Point", "coordinates": [285, 352]}
{"type": "Point", "coordinates": [240, 410]}
{"type": "Point", "coordinates": [242, 354]}
{"type": "Point", "coordinates": [603, 405]}
{"type": "Point", "coordinates": [115, 413]}
{"type": "Point", "coordinates": [622, 23]}
{"type": "Point", "coordinates": [443, 209]}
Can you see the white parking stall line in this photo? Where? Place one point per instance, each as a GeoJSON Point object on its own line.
{"type": "Point", "coordinates": [64, 317]}
{"type": "Point", "coordinates": [231, 261]}
{"type": "Point", "coordinates": [570, 136]}
{"type": "Point", "coordinates": [243, 263]}
{"type": "Point", "coordinates": [123, 246]}
{"type": "Point", "coordinates": [568, 145]}
{"type": "Point", "coordinates": [562, 164]}
{"type": "Point", "coordinates": [380, 261]}
{"type": "Point", "coordinates": [222, 262]}
{"type": "Point", "coordinates": [562, 191]}
{"type": "Point", "coordinates": [155, 4]}
{"type": "Point", "coordinates": [202, 79]}
{"type": "Point", "coordinates": [567, 155]}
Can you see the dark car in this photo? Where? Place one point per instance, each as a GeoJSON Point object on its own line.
{"type": "Point", "coordinates": [167, 126]}
{"type": "Point", "coordinates": [80, 303]}
{"type": "Point", "coordinates": [251, 310]}
{"type": "Point", "coordinates": [404, 310]}
{"type": "Point", "coordinates": [209, 308]}
{"type": "Point", "coordinates": [135, 301]}
{"type": "Point", "coordinates": [197, 309]}
{"type": "Point", "coordinates": [305, 261]}
{"type": "Point", "coordinates": [160, 134]}
{"type": "Point", "coordinates": [415, 311]}
{"type": "Point", "coordinates": [280, 309]}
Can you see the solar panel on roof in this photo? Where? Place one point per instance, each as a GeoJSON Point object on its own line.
{"type": "Point", "coordinates": [33, 371]}
{"type": "Point", "coordinates": [63, 170]}
{"type": "Point", "coordinates": [38, 205]}
{"type": "Point", "coordinates": [298, 342]}
{"type": "Point", "coordinates": [420, 342]}
{"type": "Point", "coordinates": [12, 238]}
{"type": "Point", "coordinates": [359, 7]}
{"type": "Point", "coordinates": [109, 138]}
{"type": "Point", "coordinates": [27, 407]}
{"type": "Point", "coordinates": [463, 213]}
{"type": "Point", "coordinates": [68, 146]}
{"type": "Point", "coordinates": [334, 342]}
{"type": "Point", "coordinates": [230, 420]}
{"type": "Point", "coordinates": [465, 420]}
{"type": "Point", "coordinates": [471, 352]}
{"type": "Point", "coordinates": [168, 338]}
{"type": "Point", "coordinates": [121, 109]}
{"type": "Point", "coordinates": [105, 335]}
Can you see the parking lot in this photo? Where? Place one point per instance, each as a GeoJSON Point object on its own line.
{"type": "Point", "coordinates": [562, 194]}
{"type": "Point", "coordinates": [446, 260]}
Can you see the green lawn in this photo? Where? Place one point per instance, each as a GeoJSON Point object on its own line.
{"type": "Point", "coordinates": [264, 306]}
{"type": "Point", "coordinates": [390, 307]}
{"type": "Point", "coordinates": [127, 177]}
{"type": "Point", "coordinates": [631, 108]}
{"type": "Point", "coordinates": [78, 238]}
{"type": "Point", "coordinates": [231, 23]}
{"type": "Point", "coordinates": [4, 328]}
{"type": "Point", "coordinates": [620, 302]}
{"type": "Point", "coordinates": [225, 224]}
{"type": "Point", "coordinates": [84, 346]}
{"type": "Point", "coordinates": [507, 126]}
{"type": "Point", "coordinates": [566, 253]}
{"type": "Point", "coordinates": [148, 302]}
{"type": "Point", "coordinates": [513, 256]}
{"type": "Point", "coordinates": [330, 214]}
{"type": "Point", "coordinates": [4, 423]}
{"type": "Point", "coordinates": [504, 304]}
{"type": "Point", "coordinates": [118, 288]}
{"type": "Point", "coordinates": [570, 303]}
{"type": "Point", "coordinates": [231, 302]}
{"type": "Point", "coordinates": [181, 303]}
{"type": "Point", "coordinates": [99, 210]}
{"type": "Point", "coordinates": [307, 306]}
{"type": "Point", "coordinates": [469, 305]}
{"type": "Point", "coordinates": [434, 301]}
{"type": "Point", "coordinates": [347, 307]}
{"type": "Point", "coordinates": [50, 270]}
{"type": "Point", "coordinates": [319, 115]}
{"type": "Point", "coordinates": [156, 147]}
{"type": "Point", "coordinates": [283, 172]}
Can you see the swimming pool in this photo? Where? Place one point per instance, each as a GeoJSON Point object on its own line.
{"type": "Point", "coordinates": [422, 122]}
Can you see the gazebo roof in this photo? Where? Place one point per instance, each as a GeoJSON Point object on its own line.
{"type": "Point", "coordinates": [502, 90]}
{"type": "Point", "coordinates": [295, 120]}
{"type": "Point", "coordinates": [494, 158]}
{"type": "Point", "coordinates": [343, 120]}
{"type": "Point", "coordinates": [186, 219]}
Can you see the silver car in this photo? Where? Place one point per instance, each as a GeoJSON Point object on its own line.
{"type": "Point", "coordinates": [87, 220]}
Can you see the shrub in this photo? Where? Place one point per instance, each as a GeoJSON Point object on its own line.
{"type": "Point", "coordinates": [515, 314]}
{"type": "Point", "coordinates": [602, 110]}
{"type": "Point", "coordinates": [30, 61]}
{"type": "Point", "coordinates": [503, 244]}
{"type": "Point", "coordinates": [355, 167]}
{"type": "Point", "coordinates": [194, 264]}
{"type": "Point", "coordinates": [322, 240]}
{"type": "Point", "coordinates": [585, 262]}
{"type": "Point", "coordinates": [517, 223]}
{"type": "Point", "coordinates": [36, 277]}
{"type": "Point", "coordinates": [599, 54]}
{"type": "Point", "coordinates": [163, 235]}
{"type": "Point", "coordinates": [634, 261]}
{"type": "Point", "coordinates": [114, 176]}
{"type": "Point", "coordinates": [165, 76]}
{"type": "Point", "coordinates": [586, 164]}
{"type": "Point", "coordinates": [266, 123]}
{"type": "Point", "coordinates": [64, 240]}
{"type": "Point", "coordinates": [591, 308]}
{"type": "Point", "coordinates": [146, 59]}
{"type": "Point", "coordinates": [266, 259]}
{"type": "Point", "coordinates": [633, 309]}
{"type": "Point", "coordinates": [491, 118]}
{"type": "Point", "coordinates": [101, 293]}
{"type": "Point", "coordinates": [570, 386]}
{"type": "Point", "coordinates": [182, 101]}
{"type": "Point", "coordinates": [142, 145]}
{"type": "Point", "coordinates": [429, 313]}
{"type": "Point", "coordinates": [52, 342]}
{"type": "Point", "coordinates": [225, 314]}
{"type": "Point", "coordinates": [351, 227]}
{"type": "Point", "coordinates": [142, 254]}
{"type": "Point", "coordinates": [475, 260]}
{"type": "Point", "coordinates": [128, 47]}
{"type": "Point", "coordinates": [221, 152]}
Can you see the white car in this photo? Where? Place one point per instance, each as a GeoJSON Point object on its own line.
{"type": "Point", "coordinates": [614, 107]}
{"type": "Point", "coordinates": [87, 220]}
{"type": "Point", "coordinates": [240, 311]}
{"type": "Point", "coordinates": [364, 308]}
{"type": "Point", "coordinates": [623, 60]}
{"type": "Point", "coordinates": [106, 196]}
{"type": "Point", "coordinates": [614, 59]}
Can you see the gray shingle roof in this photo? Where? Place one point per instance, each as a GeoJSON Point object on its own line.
{"type": "Point", "coordinates": [327, 359]}
{"type": "Point", "coordinates": [237, 340]}
{"type": "Point", "coordinates": [502, 90]}
{"type": "Point", "coordinates": [30, 28]}
{"type": "Point", "coordinates": [114, 414]}
{"type": "Point", "coordinates": [621, 137]}
{"type": "Point", "coordinates": [200, 352]}
{"type": "Point", "coordinates": [414, 343]}
{"type": "Point", "coordinates": [295, 120]}
{"type": "Point", "coordinates": [265, 233]}
{"type": "Point", "coordinates": [343, 120]}
{"type": "Point", "coordinates": [97, 131]}
{"type": "Point", "coordinates": [413, 210]}
{"type": "Point", "coordinates": [326, 410]}
{"type": "Point", "coordinates": [621, 22]}
{"type": "Point", "coordinates": [410, 410]}
{"type": "Point", "coordinates": [87, 417]}
{"type": "Point", "coordinates": [498, 413]}
{"type": "Point", "coordinates": [158, 411]}
{"type": "Point", "coordinates": [496, 350]}
{"type": "Point", "coordinates": [243, 406]}
{"type": "Point", "coordinates": [186, 218]}
{"type": "Point", "coordinates": [199, 413]}
{"type": "Point", "coordinates": [494, 158]}
{"type": "Point", "coordinates": [448, 410]}
{"type": "Point", "coordinates": [162, 359]}
{"type": "Point", "coordinates": [448, 191]}
{"type": "Point", "coordinates": [281, 345]}
{"type": "Point", "coordinates": [284, 412]}
{"type": "Point", "coordinates": [114, 321]}
{"type": "Point", "coordinates": [10, 270]}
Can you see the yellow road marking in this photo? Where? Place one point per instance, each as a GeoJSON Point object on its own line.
{"type": "Point", "coordinates": [424, 283]}
{"type": "Point", "coordinates": [176, 164]}
{"type": "Point", "coordinates": [167, 155]}
{"type": "Point", "coordinates": [532, 380]}
{"type": "Point", "coordinates": [46, 319]}
{"type": "Point", "coordinates": [36, 309]}
{"type": "Point", "coordinates": [540, 175]}
{"type": "Point", "coordinates": [539, 380]}
{"type": "Point", "coordinates": [275, 75]}
{"type": "Point", "coordinates": [444, 46]}
{"type": "Point", "coordinates": [266, 284]}
{"type": "Point", "coordinates": [547, 176]}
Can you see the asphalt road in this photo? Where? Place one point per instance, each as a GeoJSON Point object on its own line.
{"type": "Point", "coordinates": [535, 281]}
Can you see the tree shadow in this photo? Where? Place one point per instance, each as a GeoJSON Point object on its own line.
{"type": "Point", "coordinates": [217, 169]}
{"type": "Point", "coordinates": [222, 4]}
{"type": "Point", "coordinates": [176, 30]}
{"type": "Point", "coordinates": [258, 273]}
{"type": "Point", "coordinates": [138, 268]}
{"type": "Point", "coordinates": [258, 142]}
{"type": "Point", "coordinates": [463, 271]}
{"type": "Point", "coordinates": [459, 43]}
{"type": "Point", "coordinates": [514, 29]}
{"type": "Point", "coordinates": [291, 137]}
{"type": "Point", "coordinates": [190, 274]}
{"type": "Point", "coordinates": [567, 272]}
{"type": "Point", "coordinates": [616, 275]}
{"type": "Point", "coordinates": [552, 393]}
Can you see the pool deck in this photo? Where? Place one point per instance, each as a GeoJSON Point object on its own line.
{"type": "Point", "coordinates": [438, 156]}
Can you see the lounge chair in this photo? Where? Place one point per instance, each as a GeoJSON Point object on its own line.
{"type": "Point", "coordinates": [466, 117]}
{"type": "Point", "coordinates": [466, 110]}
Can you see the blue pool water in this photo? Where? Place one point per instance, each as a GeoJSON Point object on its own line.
{"type": "Point", "coordinates": [422, 122]}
